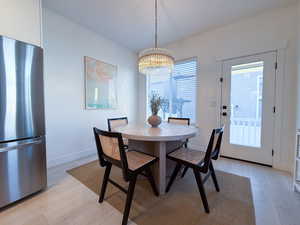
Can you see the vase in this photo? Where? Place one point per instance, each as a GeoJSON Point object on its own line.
{"type": "Point", "coordinates": [154, 120]}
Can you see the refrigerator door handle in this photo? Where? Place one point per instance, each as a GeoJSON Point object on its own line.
{"type": "Point", "coordinates": [20, 145]}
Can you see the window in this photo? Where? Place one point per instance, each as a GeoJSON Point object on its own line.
{"type": "Point", "coordinates": [178, 90]}
{"type": "Point", "coordinates": [246, 104]}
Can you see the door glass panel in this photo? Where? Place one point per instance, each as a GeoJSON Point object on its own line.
{"type": "Point", "coordinates": [246, 104]}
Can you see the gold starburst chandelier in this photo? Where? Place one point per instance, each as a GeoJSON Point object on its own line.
{"type": "Point", "coordinates": [153, 60]}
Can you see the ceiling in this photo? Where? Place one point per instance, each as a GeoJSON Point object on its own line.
{"type": "Point", "coordinates": [131, 22]}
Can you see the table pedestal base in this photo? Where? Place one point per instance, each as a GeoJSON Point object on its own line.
{"type": "Point", "coordinates": [163, 167]}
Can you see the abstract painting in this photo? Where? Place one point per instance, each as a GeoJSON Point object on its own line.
{"type": "Point", "coordinates": [100, 84]}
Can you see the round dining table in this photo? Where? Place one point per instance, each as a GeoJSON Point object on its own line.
{"type": "Point", "coordinates": [157, 141]}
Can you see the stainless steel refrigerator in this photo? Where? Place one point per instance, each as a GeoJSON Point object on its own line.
{"type": "Point", "coordinates": [22, 121]}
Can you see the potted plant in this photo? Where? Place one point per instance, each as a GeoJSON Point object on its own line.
{"type": "Point", "coordinates": [155, 104]}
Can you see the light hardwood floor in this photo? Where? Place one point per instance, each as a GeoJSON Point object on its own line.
{"type": "Point", "coordinates": [68, 202]}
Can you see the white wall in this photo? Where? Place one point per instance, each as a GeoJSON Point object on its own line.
{"type": "Point", "coordinates": [298, 67]}
{"type": "Point", "coordinates": [272, 30]}
{"type": "Point", "coordinates": [298, 73]}
{"type": "Point", "coordinates": [21, 20]}
{"type": "Point", "coordinates": [68, 124]}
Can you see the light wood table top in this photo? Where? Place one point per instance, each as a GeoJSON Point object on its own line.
{"type": "Point", "coordinates": [165, 132]}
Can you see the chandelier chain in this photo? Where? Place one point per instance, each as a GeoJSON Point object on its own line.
{"type": "Point", "coordinates": [155, 24]}
{"type": "Point", "coordinates": [155, 61]}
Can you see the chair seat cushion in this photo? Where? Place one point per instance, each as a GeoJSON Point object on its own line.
{"type": "Point", "coordinates": [188, 155]}
{"type": "Point", "coordinates": [137, 159]}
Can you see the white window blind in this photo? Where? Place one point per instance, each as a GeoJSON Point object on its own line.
{"type": "Point", "coordinates": [178, 90]}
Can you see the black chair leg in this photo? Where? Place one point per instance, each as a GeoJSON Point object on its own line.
{"type": "Point", "coordinates": [214, 177]}
{"type": "Point", "coordinates": [184, 171]}
{"type": "Point", "coordinates": [151, 180]}
{"type": "Point", "coordinates": [129, 199]}
{"type": "Point", "coordinates": [186, 144]}
{"type": "Point", "coordinates": [105, 181]}
{"type": "Point", "coordinates": [201, 189]}
{"type": "Point", "coordinates": [173, 177]}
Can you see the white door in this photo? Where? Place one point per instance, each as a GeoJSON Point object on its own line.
{"type": "Point", "coordinates": [247, 110]}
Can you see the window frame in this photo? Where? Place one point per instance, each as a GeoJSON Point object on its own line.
{"type": "Point", "coordinates": [180, 61]}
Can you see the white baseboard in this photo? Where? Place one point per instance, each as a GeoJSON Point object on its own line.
{"type": "Point", "coordinates": [70, 157]}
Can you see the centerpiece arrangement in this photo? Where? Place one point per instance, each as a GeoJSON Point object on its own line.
{"type": "Point", "coordinates": [155, 104]}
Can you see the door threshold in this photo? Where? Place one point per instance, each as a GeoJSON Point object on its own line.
{"type": "Point", "coordinates": [242, 160]}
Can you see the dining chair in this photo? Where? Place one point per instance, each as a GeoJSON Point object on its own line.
{"type": "Point", "coordinates": [112, 123]}
{"type": "Point", "coordinates": [116, 122]}
{"type": "Point", "coordinates": [111, 151]}
{"type": "Point", "coordinates": [215, 153]}
{"type": "Point", "coordinates": [180, 121]}
{"type": "Point", "coordinates": [200, 162]}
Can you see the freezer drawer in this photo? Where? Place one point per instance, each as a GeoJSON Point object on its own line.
{"type": "Point", "coordinates": [22, 169]}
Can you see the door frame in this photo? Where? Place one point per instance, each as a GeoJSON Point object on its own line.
{"type": "Point", "coordinates": [278, 163]}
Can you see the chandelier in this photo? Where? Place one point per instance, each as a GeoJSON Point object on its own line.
{"type": "Point", "coordinates": [155, 60]}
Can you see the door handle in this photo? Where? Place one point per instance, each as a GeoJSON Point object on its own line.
{"type": "Point", "coordinates": [224, 113]}
{"type": "Point", "coordinates": [20, 145]}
